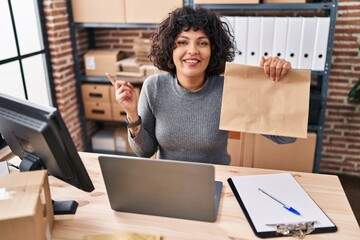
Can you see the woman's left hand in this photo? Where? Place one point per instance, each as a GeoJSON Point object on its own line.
{"type": "Point", "coordinates": [275, 67]}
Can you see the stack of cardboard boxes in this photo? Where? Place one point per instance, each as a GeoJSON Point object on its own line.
{"type": "Point", "coordinates": [97, 101]}
{"type": "Point", "coordinates": [100, 104]}
{"type": "Point", "coordinates": [142, 49]}
{"type": "Point", "coordinates": [111, 139]}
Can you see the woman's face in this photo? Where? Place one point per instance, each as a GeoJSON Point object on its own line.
{"type": "Point", "coordinates": [192, 53]}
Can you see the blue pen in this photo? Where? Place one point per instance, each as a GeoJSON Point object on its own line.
{"type": "Point", "coordinates": [287, 207]}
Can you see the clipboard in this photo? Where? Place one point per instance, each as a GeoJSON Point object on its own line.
{"type": "Point", "coordinates": [267, 217]}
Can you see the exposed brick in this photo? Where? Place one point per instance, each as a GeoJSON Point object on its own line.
{"type": "Point", "coordinates": [348, 30]}
{"type": "Point", "coordinates": [343, 59]}
{"type": "Point", "coordinates": [336, 67]}
{"type": "Point", "coordinates": [344, 73]}
{"type": "Point", "coordinates": [60, 51]}
{"type": "Point", "coordinates": [347, 22]}
{"type": "Point", "coordinates": [339, 37]}
{"type": "Point", "coordinates": [345, 45]}
{"type": "Point", "coordinates": [332, 145]}
{"type": "Point", "coordinates": [334, 100]}
{"type": "Point", "coordinates": [342, 8]}
{"type": "Point", "coordinates": [349, 14]}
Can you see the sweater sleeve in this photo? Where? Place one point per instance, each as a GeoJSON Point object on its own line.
{"type": "Point", "coordinates": [280, 139]}
{"type": "Point", "coordinates": [145, 143]}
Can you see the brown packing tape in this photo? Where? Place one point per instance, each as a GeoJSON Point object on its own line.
{"type": "Point", "coordinates": [253, 103]}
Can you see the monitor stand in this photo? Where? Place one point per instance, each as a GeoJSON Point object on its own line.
{"type": "Point", "coordinates": [64, 207]}
{"type": "Point", "coordinates": [31, 163]}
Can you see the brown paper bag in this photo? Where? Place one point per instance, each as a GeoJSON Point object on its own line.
{"type": "Point", "coordinates": [253, 103]}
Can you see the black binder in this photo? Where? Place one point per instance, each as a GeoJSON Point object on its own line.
{"type": "Point", "coordinates": [268, 217]}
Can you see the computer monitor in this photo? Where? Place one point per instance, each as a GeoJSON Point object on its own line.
{"type": "Point", "coordinates": [38, 135]}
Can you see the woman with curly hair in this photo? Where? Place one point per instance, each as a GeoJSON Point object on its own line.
{"type": "Point", "coordinates": [178, 112]}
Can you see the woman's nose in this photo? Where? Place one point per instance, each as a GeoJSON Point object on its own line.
{"type": "Point", "coordinates": [192, 49]}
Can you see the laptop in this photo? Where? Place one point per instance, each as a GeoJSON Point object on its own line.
{"type": "Point", "coordinates": [165, 188]}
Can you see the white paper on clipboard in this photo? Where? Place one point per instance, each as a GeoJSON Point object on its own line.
{"type": "Point", "coordinates": [264, 213]}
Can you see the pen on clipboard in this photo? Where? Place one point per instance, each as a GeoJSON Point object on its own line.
{"type": "Point", "coordinates": [287, 207]}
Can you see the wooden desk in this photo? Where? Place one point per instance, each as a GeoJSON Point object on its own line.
{"type": "Point", "coordinates": [94, 215]}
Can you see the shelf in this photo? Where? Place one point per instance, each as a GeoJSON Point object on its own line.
{"type": "Point", "coordinates": [314, 128]}
{"type": "Point", "coordinates": [328, 8]}
{"type": "Point", "coordinates": [264, 6]}
{"type": "Point", "coordinates": [113, 25]}
{"type": "Point", "coordinates": [86, 79]}
{"type": "Point", "coordinates": [318, 73]}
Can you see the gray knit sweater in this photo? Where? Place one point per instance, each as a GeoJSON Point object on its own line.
{"type": "Point", "coordinates": [183, 125]}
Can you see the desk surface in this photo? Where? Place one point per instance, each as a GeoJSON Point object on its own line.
{"type": "Point", "coordinates": [94, 215]}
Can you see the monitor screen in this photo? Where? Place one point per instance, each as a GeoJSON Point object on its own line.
{"type": "Point", "coordinates": [38, 135]}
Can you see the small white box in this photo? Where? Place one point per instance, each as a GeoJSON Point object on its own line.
{"type": "Point", "coordinates": [103, 140]}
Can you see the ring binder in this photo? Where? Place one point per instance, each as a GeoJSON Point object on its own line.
{"type": "Point", "coordinates": [299, 230]}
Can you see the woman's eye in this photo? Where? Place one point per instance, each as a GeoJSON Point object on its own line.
{"type": "Point", "coordinates": [203, 43]}
{"type": "Point", "coordinates": [180, 43]}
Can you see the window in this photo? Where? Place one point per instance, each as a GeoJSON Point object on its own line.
{"type": "Point", "coordinates": [24, 59]}
{"type": "Point", "coordinates": [24, 71]}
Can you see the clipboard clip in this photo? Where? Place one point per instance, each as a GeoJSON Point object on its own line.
{"type": "Point", "coordinates": [299, 230]}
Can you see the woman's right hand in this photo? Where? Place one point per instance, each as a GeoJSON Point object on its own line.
{"type": "Point", "coordinates": [126, 96]}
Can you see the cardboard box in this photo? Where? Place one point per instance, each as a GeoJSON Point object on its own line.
{"type": "Point", "coordinates": [121, 140]}
{"type": "Point", "coordinates": [95, 92]}
{"type": "Point", "coordinates": [98, 110]}
{"type": "Point", "coordinates": [154, 11]}
{"type": "Point", "coordinates": [129, 64]}
{"type": "Point", "coordinates": [142, 48]}
{"type": "Point", "coordinates": [118, 113]}
{"type": "Point", "coordinates": [25, 206]}
{"type": "Point", "coordinates": [226, 1]}
{"type": "Point", "coordinates": [234, 148]}
{"type": "Point", "coordinates": [260, 152]}
{"type": "Point", "coordinates": [151, 69]}
{"type": "Point", "coordinates": [101, 61]}
{"type": "Point", "coordinates": [103, 140]}
{"type": "Point", "coordinates": [95, 11]}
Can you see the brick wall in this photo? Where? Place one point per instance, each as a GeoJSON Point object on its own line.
{"type": "Point", "coordinates": [341, 144]}
{"type": "Point", "coordinates": [120, 38]}
{"type": "Point", "coordinates": [62, 66]}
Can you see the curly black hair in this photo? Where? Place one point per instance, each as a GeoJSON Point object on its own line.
{"type": "Point", "coordinates": [184, 19]}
